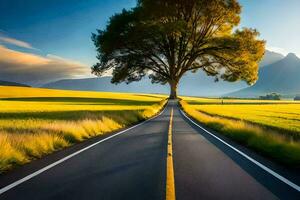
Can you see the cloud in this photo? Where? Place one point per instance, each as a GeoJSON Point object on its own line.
{"type": "Point", "coordinates": [34, 69]}
{"type": "Point", "coordinates": [278, 50]}
{"type": "Point", "coordinates": [15, 42]}
{"type": "Point", "coordinates": [281, 51]}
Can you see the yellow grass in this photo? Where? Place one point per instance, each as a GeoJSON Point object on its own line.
{"type": "Point", "coordinates": [285, 116]}
{"type": "Point", "coordinates": [21, 92]}
{"type": "Point", "coordinates": [35, 122]}
{"type": "Point", "coordinates": [200, 100]}
{"type": "Point", "coordinates": [281, 115]}
{"type": "Point", "coordinates": [267, 142]}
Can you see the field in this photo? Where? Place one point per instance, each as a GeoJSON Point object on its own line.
{"type": "Point", "coordinates": [283, 116]}
{"type": "Point", "coordinates": [200, 101]}
{"type": "Point", "coordinates": [270, 127]}
{"type": "Point", "coordinates": [35, 122]}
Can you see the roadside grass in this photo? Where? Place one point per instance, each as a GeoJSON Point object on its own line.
{"type": "Point", "coordinates": [218, 101]}
{"type": "Point", "coordinates": [32, 126]}
{"type": "Point", "coordinates": [280, 116]}
{"type": "Point", "coordinates": [266, 142]}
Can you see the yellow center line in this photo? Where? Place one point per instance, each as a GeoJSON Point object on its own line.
{"type": "Point", "coordinates": [170, 185]}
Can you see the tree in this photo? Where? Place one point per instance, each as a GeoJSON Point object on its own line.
{"type": "Point", "coordinates": [164, 39]}
{"type": "Point", "coordinates": [271, 96]}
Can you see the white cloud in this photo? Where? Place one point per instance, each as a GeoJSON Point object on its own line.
{"type": "Point", "coordinates": [281, 50]}
{"type": "Point", "coordinates": [13, 41]}
{"type": "Point", "coordinates": [58, 58]}
{"type": "Point", "coordinates": [34, 69]}
{"type": "Point", "coordinates": [278, 50]}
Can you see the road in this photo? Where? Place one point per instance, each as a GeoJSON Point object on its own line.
{"type": "Point", "coordinates": [132, 165]}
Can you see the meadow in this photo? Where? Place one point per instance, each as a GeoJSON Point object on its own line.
{"type": "Point", "coordinates": [35, 122]}
{"type": "Point", "coordinates": [283, 116]}
{"type": "Point", "coordinates": [271, 128]}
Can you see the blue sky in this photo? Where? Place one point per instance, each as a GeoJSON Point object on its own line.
{"type": "Point", "coordinates": [278, 21]}
{"type": "Point", "coordinates": [61, 29]}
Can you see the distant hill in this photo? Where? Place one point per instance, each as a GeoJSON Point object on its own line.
{"type": "Point", "coordinates": [8, 83]}
{"type": "Point", "coordinates": [194, 84]}
{"type": "Point", "coordinates": [270, 58]}
{"type": "Point", "coordinates": [281, 77]}
{"type": "Point", "coordinates": [104, 84]}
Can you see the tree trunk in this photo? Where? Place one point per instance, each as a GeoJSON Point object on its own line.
{"type": "Point", "coordinates": [173, 88]}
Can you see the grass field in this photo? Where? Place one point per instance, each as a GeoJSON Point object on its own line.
{"type": "Point", "coordinates": [283, 116]}
{"type": "Point", "coordinates": [218, 101]}
{"type": "Point", "coordinates": [270, 127]}
{"type": "Point", "coordinates": [35, 122]}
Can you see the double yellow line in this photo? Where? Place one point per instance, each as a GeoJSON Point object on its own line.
{"type": "Point", "coordinates": [170, 183]}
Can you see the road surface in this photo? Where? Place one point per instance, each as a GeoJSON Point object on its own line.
{"type": "Point", "coordinates": [132, 165]}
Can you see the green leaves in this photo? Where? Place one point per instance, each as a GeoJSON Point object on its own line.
{"type": "Point", "coordinates": [166, 38]}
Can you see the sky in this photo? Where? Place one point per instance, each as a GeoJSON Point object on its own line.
{"type": "Point", "coordinates": [42, 41]}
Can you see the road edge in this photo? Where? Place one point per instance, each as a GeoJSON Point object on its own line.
{"type": "Point", "coordinates": [244, 155]}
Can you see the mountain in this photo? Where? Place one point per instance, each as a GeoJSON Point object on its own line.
{"type": "Point", "coordinates": [281, 77]}
{"type": "Point", "coordinates": [270, 57]}
{"type": "Point", "coordinates": [104, 84]}
{"type": "Point", "coordinates": [197, 84]}
{"type": "Point", "coordinates": [194, 84]}
{"type": "Point", "coordinates": [7, 83]}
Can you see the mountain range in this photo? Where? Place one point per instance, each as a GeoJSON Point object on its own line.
{"type": "Point", "coordinates": [282, 77]}
{"type": "Point", "coordinates": [8, 83]}
{"type": "Point", "coordinates": [270, 57]}
{"type": "Point", "coordinates": [195, 84]}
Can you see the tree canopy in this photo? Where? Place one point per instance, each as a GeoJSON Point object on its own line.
{"type": "Point", "coordinates": [164, 39]}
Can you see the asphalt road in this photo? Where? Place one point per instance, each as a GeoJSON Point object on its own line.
{"type": "Point", "coordinates": [132, 165]}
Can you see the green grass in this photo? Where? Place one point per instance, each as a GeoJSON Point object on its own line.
{"type": "Point", "coordinates": [35, 122]}
{"type": "Point", "coordinates": [269, 142]}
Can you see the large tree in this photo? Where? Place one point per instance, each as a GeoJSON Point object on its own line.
{"type": "Point", "coordinates": [164, 39]}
